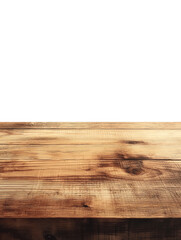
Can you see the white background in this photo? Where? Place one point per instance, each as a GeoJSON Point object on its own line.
{"type": "Point", "coordinates": [90, 60]}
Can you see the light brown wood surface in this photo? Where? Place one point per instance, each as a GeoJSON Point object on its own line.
{"type": "Point", "coordinates": [90, 170]}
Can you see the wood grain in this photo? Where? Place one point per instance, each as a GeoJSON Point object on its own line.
{"type": "Point", "coordinates": [93, 125]}
{"type": "Point", "coordinates": [90, 170]}
{"type": "Point", "coordinates": [89, 137]}
{"type": "Point", "coordinates": [89, 152]}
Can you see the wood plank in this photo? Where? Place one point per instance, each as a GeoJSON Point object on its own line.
{"type": "Point", "coordinates": [131, 150]}
{"type": "Point", "coordinates": [99, 188]}
{"type": "Point", "coordinates": [71, 201]}
{"type": "Point", "coordinates": [92, 125]}
{"type": "Point", "coordinates": [89, 136]}
{"type": "Point", "coordinates": [126, 172]}
{"type": "Point", "coordinates": [90, 229]}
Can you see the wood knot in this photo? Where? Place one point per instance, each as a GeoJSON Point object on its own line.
{"type": "Point", "coordinates": [49, 237]}
{"type": "Point", "coordinates": [133, 167]}
{"type": "Point", "coordinates": [85, 205]}
{"type": "Point", "coordinates": [134, 171]}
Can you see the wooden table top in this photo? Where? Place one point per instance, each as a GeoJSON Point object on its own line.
{"type": "Point", "coordinates": [90, 170]}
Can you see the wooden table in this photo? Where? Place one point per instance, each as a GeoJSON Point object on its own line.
{"type": "Point", "coordinates": [90, 181]}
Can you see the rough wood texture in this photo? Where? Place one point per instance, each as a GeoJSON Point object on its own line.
{"type": "Point", "coordinates": [90, 229]}
{"type": "Point", "coordinates": [90, 170]}
{"type": "Point", "coordinates": [93, 125]}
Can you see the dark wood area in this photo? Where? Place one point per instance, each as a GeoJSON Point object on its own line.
{"type": "Point", "coordinates": [90, 229]}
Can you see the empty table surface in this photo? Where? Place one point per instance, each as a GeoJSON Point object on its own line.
{"type": "Point", "coordinates": [90, 170]}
